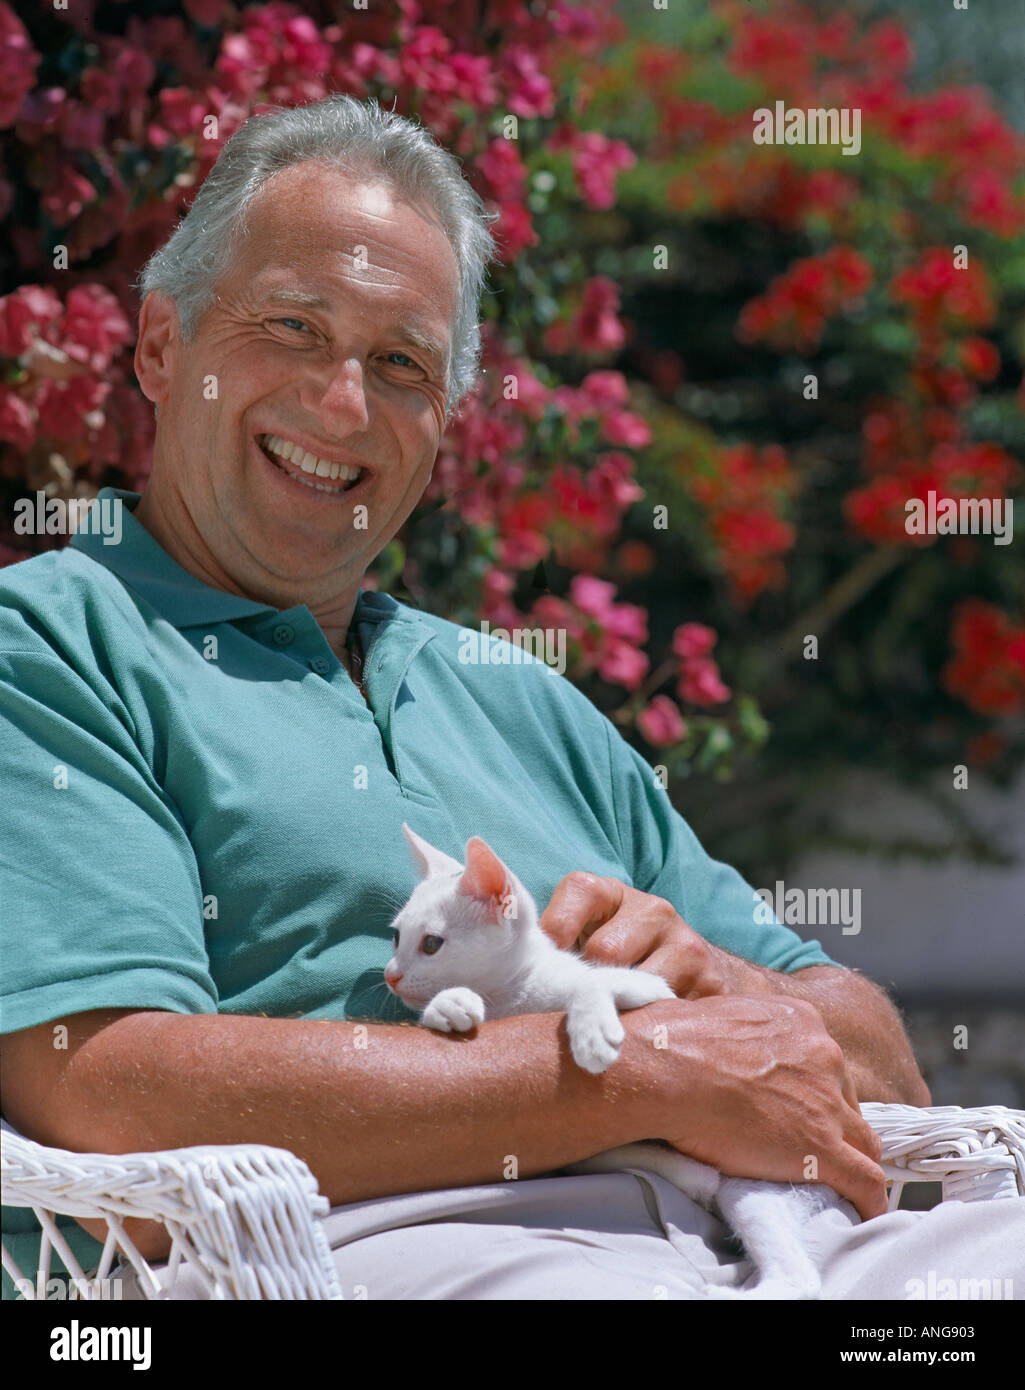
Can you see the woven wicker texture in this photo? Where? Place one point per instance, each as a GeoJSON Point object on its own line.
{"type": "Point", "coordinates": [976, 1153]}
{"type": "Point", "coordinates": [246, 1217]}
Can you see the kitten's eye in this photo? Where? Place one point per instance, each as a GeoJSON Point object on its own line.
{"type": "Point", "coordinates": [395, 940]}
{"type": "Point", "coordinates": [430, 945]}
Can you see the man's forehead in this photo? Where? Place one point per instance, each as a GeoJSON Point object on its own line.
{"type": "Point", "coordinates": [308, 198]}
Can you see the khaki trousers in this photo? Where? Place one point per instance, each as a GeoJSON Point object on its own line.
{"type": "Point", "coordinates": [629, 1236]}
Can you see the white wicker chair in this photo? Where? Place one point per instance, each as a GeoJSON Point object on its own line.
{"type": "Point", "coordinates": [246, 1219]}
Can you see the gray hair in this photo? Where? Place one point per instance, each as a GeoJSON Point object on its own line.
{"type": "Point", "coordinates": [354, 136]}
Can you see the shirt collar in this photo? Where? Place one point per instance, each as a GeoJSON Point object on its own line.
{"type": "Point", "coordinates": [145, 567]}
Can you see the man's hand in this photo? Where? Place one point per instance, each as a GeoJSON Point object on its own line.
{"type": "Point", "coordinates": [614, 924]}
{"type": "Point", "coordinates": [758, 1089]}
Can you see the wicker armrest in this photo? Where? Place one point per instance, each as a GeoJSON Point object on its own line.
{"type": "Point", "coordinates": [244, 1218]}
{"type": "Point", "coordinates": [976, 1153]}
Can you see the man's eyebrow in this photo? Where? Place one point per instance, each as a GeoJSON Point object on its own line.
{"type": "Point", "coordinates": [406, 328]}
{"type": "Point", "coordinates": [301, 298]}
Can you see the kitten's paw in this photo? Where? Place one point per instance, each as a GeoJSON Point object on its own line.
{"type": "Point", "coordinates": [454, 1011]}
{"type": "Point", "coordinates": [595, 1043]}
{"type": "Point", "coordinates": [640, 987]}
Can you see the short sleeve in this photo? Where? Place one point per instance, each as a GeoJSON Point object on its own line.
{"type": "Point", "coordinates": [669, 862]}
{"type": "Point", "coordinates": [100, 900]}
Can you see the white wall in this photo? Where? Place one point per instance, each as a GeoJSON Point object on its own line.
{"type": "Point", "coordinates": [942, 929]}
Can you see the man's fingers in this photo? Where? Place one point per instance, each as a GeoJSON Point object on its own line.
{"type": "Point", "coordinates": [858, 1179]}
{"type": "Point", "coordinates": [860, 1135]}
{"type": "Point", "coordinates": [580, 901]}
{"type": "Point", "coordinates": [668, 962]}
{"type": "Point", "coordinates": [850, 1093]}
{"type": "Point", "coordinates": [627, 940]}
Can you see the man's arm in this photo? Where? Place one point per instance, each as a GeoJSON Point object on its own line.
{"type": "Point", "coordinates": [415, 1110]}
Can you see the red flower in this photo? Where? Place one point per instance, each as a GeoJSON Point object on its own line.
{"type": "Point", "coordinates": [623, 664]}
{"type": "Point", "coordinates": [700, 683]}
{"type": "Point", "coordinates": [605, 389]}
{"type": "Point", "coordinates": [794, 309]}
{"type": "Point", "coordinates": [95, 324]}
{"type": "Point", "coordinates": [661, 722]}
{"type": "Point", "coordinates": [66, 194]}
{"type": "Point", "coordinates": [624, 427]}
{"type": "Point", "coordinates": [692, 640]}
{"type": "Point", "coordinates": [987, 671]}
{"type": "Point", "coordinates": [596, 162]}
{"type": "Point", "coordinates": [31, 307]}
{"type": "Point", "coordinates": [529, 91]}
{"type": "Point", "coordinates": [592, 596]}
{"type": "Point", "coordinates": [979, 358]}
{"type": "Point", "coordinates": [18, 63]}
{"type": "Point", "coordinates": [596, 327]}
{"type": "Point", "coordinates": [939, 294]}
{"type": "Point", "coordinates": [503, 169]}
{"type": "Point", "coordinates": [513, 232]}
{"type": "Point", "coordinates": [17, 420]}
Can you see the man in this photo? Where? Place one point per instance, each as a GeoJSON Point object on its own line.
{"type": "Point", "coordinates": [212, 736]}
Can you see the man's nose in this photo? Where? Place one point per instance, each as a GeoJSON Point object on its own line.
{"type": "Point", "coordinates": [338, 396]}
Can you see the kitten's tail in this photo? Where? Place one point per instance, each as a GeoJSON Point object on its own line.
{"type": "Point", "coordinates": [772, 1221]}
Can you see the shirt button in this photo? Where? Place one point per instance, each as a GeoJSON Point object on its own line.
{"type": "Point", "coordinates": [283, 634]}
{"type": "Point", "coordinates": [320, 665]}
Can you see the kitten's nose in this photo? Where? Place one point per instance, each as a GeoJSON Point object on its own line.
{"type": "Point", "coordinates": [391, 980]}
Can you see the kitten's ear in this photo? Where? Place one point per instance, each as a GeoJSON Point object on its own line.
{"type": "Point", "coordinates": [428, 860]}
{"type": "Point", "coordinates": [485, 878]}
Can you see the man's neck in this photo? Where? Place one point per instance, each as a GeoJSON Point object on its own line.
{"type": "Point", "coordinates": [182, 541]}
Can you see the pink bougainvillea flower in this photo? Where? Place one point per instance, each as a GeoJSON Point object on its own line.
{"type": "Point", "coordinates": [17, 420]}
{"type": "Point", "coordinates": [18, 63]}
{"type": "Point", "coordinates": [693, 640]}
{"type": "Point", "coordinates": [661, 722]}
{"type": "Point", "coordinates": [700, 683]}
{"type": "Point", "coordinates": [623, 664]}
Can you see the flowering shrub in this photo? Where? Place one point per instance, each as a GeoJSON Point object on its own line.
{"type": "Point", "coordinates": [644, 462]}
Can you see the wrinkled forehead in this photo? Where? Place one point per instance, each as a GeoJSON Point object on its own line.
{"type": "Point", "coordinates": [317, 210]}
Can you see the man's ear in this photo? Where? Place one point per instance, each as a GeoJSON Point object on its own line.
{"type": "Point", "coordinates": [157, 348]}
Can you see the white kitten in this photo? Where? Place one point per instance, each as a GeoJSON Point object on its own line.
{"type": "Point", "coordinates": [467, 945]}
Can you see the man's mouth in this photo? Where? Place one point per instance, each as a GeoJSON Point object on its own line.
{"type": "Point", "coordinates": [297, 463]}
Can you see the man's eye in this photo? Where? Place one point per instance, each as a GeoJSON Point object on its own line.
{"type": "Point", "coordinates": [291, 323]}
{"type": "Point", "coordinates": [408, 360]}
{"type": "Point", "coordinates": [430, 945]}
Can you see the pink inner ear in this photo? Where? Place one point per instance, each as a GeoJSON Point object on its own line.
{"type": "Point", "coordinates": [485, 877]}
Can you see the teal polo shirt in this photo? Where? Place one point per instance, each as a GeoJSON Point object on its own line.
{"type": "Point", "coordinates": [200, 813]}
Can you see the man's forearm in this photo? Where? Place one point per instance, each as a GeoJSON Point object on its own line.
{"type": "Point", "coordinates": [410, 1110]}
{"type": "Point", "coordinates": [867, 1027]}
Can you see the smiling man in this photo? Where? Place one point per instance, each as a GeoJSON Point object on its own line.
{"type": "Point", "coordinates": [211, 734]}
{"type": "Point", "coordinates": [327, 353]}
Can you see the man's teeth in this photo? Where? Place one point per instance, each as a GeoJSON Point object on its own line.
{"type": "Point", "coordinates": [309, 463]}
